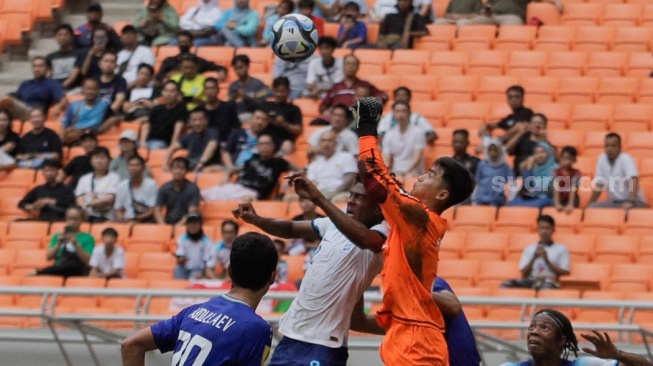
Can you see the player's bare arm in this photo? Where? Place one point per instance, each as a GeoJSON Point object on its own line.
{"type": "Point", "coordinates": [447, 302]}
{"type": "Point", "coordinates": [364, 323]}
{"type": "Point", "coordinates": [133, 348]}
{"type": "Point", "coordinates": [359, 234]}
{"type": "Point", "coordinates": [280, 228]}
{"type": "Point", "coordinates": [604, 348]}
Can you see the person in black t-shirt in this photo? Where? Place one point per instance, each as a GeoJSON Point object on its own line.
{"type": "Point", "coordinates": [285, 117]}
{"type": "Point", "coordinates": [520, 114]}
{"type": "Point", "coordinates": [223, 116]}
{"type": "Point", "coordinates": [527, 137]}
{"type": "Point", "coordinates": [9, 139]}
{"type": "Point", "coordinates": [113, 88]}
{"type": "Point", "coordinates": [393, 25]}
{"type": "Point", "coordinates": [79, 165]}
{"type": "Point", "coordinates": [178, 198]}
{"type": "Point", "coordinates": [460, 142]}
{"type": "Point", "coordinates": [39, 144]}
{"type": "Point", "coordinates": [64, 59]}
{"type": "Point", "coordinates": [51, 199]}
{"type": "Point", "coordinates": [166, 120]}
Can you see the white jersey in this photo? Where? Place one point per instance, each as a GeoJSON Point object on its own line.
{"type": "Point", "coordinates": [336, 278]}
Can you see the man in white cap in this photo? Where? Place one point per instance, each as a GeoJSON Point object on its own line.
{"type": "Point", "coordinates": [128, 145]}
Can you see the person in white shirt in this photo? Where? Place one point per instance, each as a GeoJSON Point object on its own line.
{"type": "Point", "coordinates": [346, 139]}
{"type": "Point", "coordinates": [108, 260]}
{"type": "Point", "coordinates": [316, 325]}
{"type": "Point", "coordinates": [403, 144]}
{"type": "Point", "coordinates": [403, 94]}
{"type": "Point", "coordinates": [200, 22]}
{"type": "Point", "coordinates": [333, 172]}
{"type": "Point", "coordinates": [324, 71]}
{"type": "Point", "coordinates": [132, 55]}
{"type": "Point", "coordinates": [96, 191]}
{"type": "Point", "coordinates": [542, 263]}
{"type": "Point", "coordinates": [136, 195]}
{"type": "Point", "coordinates": [617, 172]}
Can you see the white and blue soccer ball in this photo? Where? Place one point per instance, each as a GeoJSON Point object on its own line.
{"type": "Point", "coordinates": [294, 38]}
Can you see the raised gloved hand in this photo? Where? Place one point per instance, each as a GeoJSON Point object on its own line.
{"type": "Point", "coordinates": [367, 113]}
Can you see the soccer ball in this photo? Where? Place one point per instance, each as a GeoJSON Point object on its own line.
{"type": "Point", "coordinates": [294, 38]}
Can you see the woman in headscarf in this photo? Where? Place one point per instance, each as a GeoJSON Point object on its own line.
{"type": "Point", "coordinates": [492, 175]}
{"type": "Point", "coordinates": [551, 338]}
{"type": "Point", "coordinates": [537, 171]}
{"type": "Point", "coordinates": [200, 22]}
{"type": "Point", "coordinates": [157, 23]}
{"type": "Point", "coordinates": [238, 26]}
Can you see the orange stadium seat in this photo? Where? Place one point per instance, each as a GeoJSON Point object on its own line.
{"type": "Point", "coordinates": [645, 91]}
{"type": "Point", "coordinates": [518, 242]}
{"type": "Point", "coordinates": [158, 265]}
{"type": "Point", "coordinates": [222, 55]}
{"type": "Point", "coordinates": [559, 294]}
{"type": "Point", "coordinates": [218, 211]}
{"type": "Point", "coordinates": [295, 267]}
{"type": "Point", "coordinates": [639, 64]}
{"type": "Point", "coordinates": [602, 221]}
{"type": "Point", "coordinates": [385, 82]}
{"type": "Point", "coordinates": [598, 315]}
{"type": "Point", "coordinates": [21, 11]}
{"type": "Point", "coordinates": [594, 143]}
{"type": "Point", "coordinates": [617, 90]}
{"type": "Point", "coordinates": [590, 117]}
{"type": "Point", "coordinates": [447, 63]}
{"type": "Point", "coordinates": [630, 277]}
{"type": "Point", "coordinates": [615, 249]}
{"type": "Point", "coordinates": [546, 12]}
{"type": "Point", "coordinates": [408, 62]}
{"type": "Point", "coordinates": [498, 110]}
{"type": "Point", "coordinates": [70, 302]}
{"type": "Point", "coordinates": [565, 222]}
{"type": "Point", "coordinates": [27, 261]}
{"type": "Point", "coordinates": [9, 209]}
{"type": "Point", "coordinates": [456, 88]}
{"type": "Point", "coordinates": [642, 317]}
{"type": "Point", "coordinates": [452, 245]}
{"type": "Point", "coordinates": [8, 300]}
{"type": "Point", "coordinates": [28, 230]}
{"type": "Point", "coordinates": [606, 64]}
{"type": "Point", "coordinates": [151, 236]}
{"type": "Point", "coordinates": [581, 246]}
{"type": "Point", "coordinates": [459, 273]}
{"type": "Point", "coordinates": [511, 313]}
{"type": "Point", "coordinates": [373, 57]}
{"type": "Point", "coordinates": [638, 144]}
{"type": "Point", "coordinates": [631, 39]}
{"type": "Point", "coordinates": [260, 58]}
{"type": "Point", "coordinates": [474, 218]}
{"type": "Point", "coordinates": [485, 62]}
{"type": "Point", "coordinates": [476, 37]}
{"type": "Point", "coordinates": [645, 250]}
{"type": "Point", "coordinates": [493, 273]}
{"type": "Point", "coordinates": [434, 112]}
{"type": "Point", "coordinates": [621, 15]}
{"type": "Point", "coordinates": [577, 90]}
{"type": "Point", "coordinates": [515, 38]}
{"type": "Point", "coordinates": [639, 222]}
{"type": "Point", "coordinates": [473, 312]}
{"type": "Point", "coordinates": [467, 115]}
{"type": "Point", "coordinates": [34, 301]}
{"type": "Point", "coordinates": [373, 32]}
{"type": "Point", "coordinates": [309, 107]}
{"type": "Point", "coordinates": [515, 219]}
{"type": "Point", "coordinates": [6, 259]}
{"type": "Point", "coordinates": [421, 86]}
{"type": "Point", "coordinates": [17, 178]}
{"type": "Point", "coordinates": [582, 14]}
{"type": "Point", "coordinates": [526, 63]}
{"type": "Point", "coordinates": [161, 305]}
{"type": "Point", "coordinates": [565, 63]}
{"type": "Point", "coordinates": [593, 39]}
{"type": "Point", "coordinates": [274, 209]}
{"type": "Point", "coordinates": [131, 264]}
{"type": "Point", "coordinates": [439, 38]}
{"type": "Point", "coordinates": [631, 117]}
{"type": "Point", "coordinates": [647, 15]}
{"type": "Point", "coordinates": [493, 88]}
{"type": "Point", "coordinates": [122, 304]}
{"type": "Point", "coordinates": [485, 246]}
{"type": "Point", "coordinates": [554, 38]}
{"type": "Point", "coordinates": [646, 170]}
{"type": "Point", "coordinates": [539, 88]}
{"type": "Point", "coordinates": [557, 113]}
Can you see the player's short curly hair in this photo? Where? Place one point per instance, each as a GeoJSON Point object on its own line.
{"type": "Point", "coordinates": [457, 178]}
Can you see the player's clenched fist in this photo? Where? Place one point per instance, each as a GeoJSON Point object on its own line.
{"type": "Point", "coordinates": [245, 212]}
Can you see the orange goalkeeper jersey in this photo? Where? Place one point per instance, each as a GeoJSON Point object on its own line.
{"type": "Point", "coordinates": [409, 268]}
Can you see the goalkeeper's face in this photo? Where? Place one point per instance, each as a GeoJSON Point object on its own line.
{"type": "Point", "coordinates": [430, 184]}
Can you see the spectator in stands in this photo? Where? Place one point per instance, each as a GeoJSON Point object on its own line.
{"type": "Point", "coordinates": [48, 201]}
{"type": "Point", "coordinates": [503, 12]}
{"type": "Point", "coordinates": [460, 143]}
{"type": "Point", "coordinates": [108, 260]}
{"type": "Point", "coordinates": [295, 72]}
{"type": "Point", "coordinates": [325, 71]}
{"type": "Point", "coordinates": [70, 250]}
{"type": "Point", "coordinates": [191, 82]}
{"type": "Point", "coordinates": [140, 97]}
{"type": "Point", "coordinates": [64, 59]}
{"type": "Point", "coordinates": [238, 26]}
{"type": "Point", "coordinates": [242, 143]}
{"type": "Point", "coordinates": [81, 164]}
{"type": "Point", "coordinates": [113, 88]}
{"type": "Point", "coordinates": [538, 178]}
{"type": "Point", "coordinates": [457, 10]}
{"type": "Point", "coordinates": [171, 64]}
{"type": "Point", "coordinates": [247, 90]}
{"type": "Point", "coordinates": [228, 233]}
{"type": "Point", "coordinates": [41, 92]}
{"type": "Point", "coordinates": [520, 114]}
{"type": "Point", "coordinates": [284, 8]}
{"type": "Point", "coordinates": [257, 178]}
{"type": "Point", "coordinates": [128, 145]}
{"type": "Point", "coordinates": [403, 94]}
{"type": "Point", "coordinates": [285, 118]}
{"type": "Point", "coordinates": [203, 145]}
{"type": "Point", "coordinates": [299, 246]}
{"type": "Point", "coordinates": [525, 138]}
{"type": "Point", "coordinates": [88, 63]}
{"type": "Point", "coordinates": [223, 116]}
{"type": "Point", "coordinates": [403, 144]}
{"type": "Point", "coordinates": [492, 175]}
{"type": "Point", "coordinates": [333, 172]}
{"type": "Point", "coordinates": [135, 195]}
{"type": "Point", "coordinates": [307, 9]}
{"type": "Point", "coordinates": [157, 23]}
{"type": "Point", "coordinates": [9, 140]}
{"type": "Point", "coordinates": [399, 30]}
{"type": "Point", "coordinates": [343, 92]}
{"type": "Point", "coordinates": [542, 263]}
{"type": "Point", "coordinates": [346, 139]}
{"type": "Point", "coordinates": [551, 338]}
{"type": "Point", "coordinates": [178, 197]}
{"type": "Point", "coordinates": [96, 191]}
{"type": "Point", "coordinates": [282, 266]}
{"type": "Point", "coordinates": [200, 22]}
{"type": "Point", "coordinates": [39, 144]}
{"type": "Point", "coordinates": [84, 33]}
{"type": "Point", "coordinates": [566, 180]}
{"type": "Point", "coordinates": [352, 33]}
{"type": "Point", "coordinates": [195, 258]}
{"type": "Point", "coordinates": [132, 56]}
{"type": "Point", "coordinates": [86, 115]}
{"type": "Point", "coordinates": [163, 128]}
{"type": "Point", "coordinates": [616, 172]}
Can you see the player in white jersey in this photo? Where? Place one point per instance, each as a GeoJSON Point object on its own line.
{"type": "Point", "coordinates": [315, 327]}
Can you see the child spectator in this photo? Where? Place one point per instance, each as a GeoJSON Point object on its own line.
{"type": "Point", "coordinates": [565, 181]}
{"type": "Point", "coordinates": [108, 260]}
{"type": "Point", "coordinates": [537, 171]}
{"type": "Point", "coordinates": [194, 253]}
{"type": "Point", "coordinates": [222, 248]}
{"type": "Point", "coordinates": [352, 32]}
{"type": "Point", "coordinates": [489, 188]}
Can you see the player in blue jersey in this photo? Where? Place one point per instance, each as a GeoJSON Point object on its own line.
{"type": "Point", "coordinates": [551, 338]}
{"type": "Point", "coordinates": [224, 330]}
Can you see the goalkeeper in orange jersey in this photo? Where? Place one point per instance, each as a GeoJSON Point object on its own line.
{"type": "Point", "coordinates": [414, 326]}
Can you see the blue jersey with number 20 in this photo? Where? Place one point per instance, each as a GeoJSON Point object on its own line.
{"type": "Point", "coordinates": [221, 332]}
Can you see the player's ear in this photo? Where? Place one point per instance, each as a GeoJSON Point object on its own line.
{"type": "Point", "coordinates": [443, 195]}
